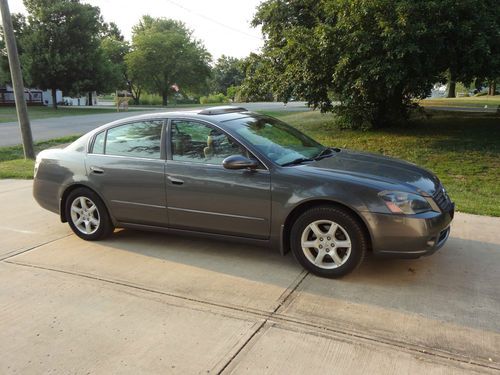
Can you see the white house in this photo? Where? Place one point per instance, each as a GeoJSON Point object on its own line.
{"type": "Point", "coordinates": [47, 97]}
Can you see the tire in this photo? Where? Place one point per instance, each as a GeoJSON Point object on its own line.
{"type": "Point", "coordinates": [334, 251]}
{"type": "Point", "coordinates": [87, 215]}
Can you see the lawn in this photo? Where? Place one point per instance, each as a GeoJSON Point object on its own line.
{"type": "Point", "coordinates": [8, 114]}
{"type": "Point", "coordinates": [472, 101]}
{"type": "Point", "coordinates": [463, 149]}
{"type": "Point", "coordinates": [13, 164]}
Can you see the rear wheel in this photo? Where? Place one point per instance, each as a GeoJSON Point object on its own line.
{"type": "Point", "coordinates": [328, 241]}
{"type": "Point", "coordinates": [87, 215]}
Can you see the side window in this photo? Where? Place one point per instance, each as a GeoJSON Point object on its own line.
{"type": "Point", "coordinates": [200, 143]}
{"type": "Point", "coordinates": [98, 147]}
{"type": "Point", "coordinates": [139, 139]}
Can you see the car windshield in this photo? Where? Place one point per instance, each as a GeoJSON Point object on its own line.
{"type": "Point", "coordinates": [277, 140]}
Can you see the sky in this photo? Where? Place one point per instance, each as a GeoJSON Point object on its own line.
{"type": "Point", "coordinates": [222, 25]}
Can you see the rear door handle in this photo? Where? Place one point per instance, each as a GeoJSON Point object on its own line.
{"type": "Point", "coordinates": [97, 170]}
{"type": "Point", "coordinates": [175, 181]}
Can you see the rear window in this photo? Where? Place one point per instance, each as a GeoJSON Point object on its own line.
{"type": "Point", "coordinates": [139, 139]}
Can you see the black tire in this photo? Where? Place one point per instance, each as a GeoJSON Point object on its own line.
{"type": "Point", "coordinates": [98, 232]}
{"type": "Point", "coordinates": [348, 224]}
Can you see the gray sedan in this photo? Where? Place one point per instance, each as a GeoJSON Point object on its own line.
{"type": "Point", "coordinates": [231, 174]}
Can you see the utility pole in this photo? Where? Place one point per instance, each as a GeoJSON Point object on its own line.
{"type": "Point", "coordinates": [17, 81]}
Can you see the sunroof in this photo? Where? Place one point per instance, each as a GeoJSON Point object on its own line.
{"type": "Point", "coordinates": [222, 109]}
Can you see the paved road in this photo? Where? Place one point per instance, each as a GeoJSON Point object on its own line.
{"type": "Point", "coordinates": [44, 129]}
{"type": "Point", "coordinates": [153, 303]}
{"type": "Point", "coordinates": [488, 109]}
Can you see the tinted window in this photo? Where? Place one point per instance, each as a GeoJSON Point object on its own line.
{"type": "Point", "coordinates": [201, 143]}
{"type": "Point", "coordinates": [278, 141]}
{"type": "Point", "coordinates": [98, 147]}
{"type": "Point", "coordinates": [139, 139]}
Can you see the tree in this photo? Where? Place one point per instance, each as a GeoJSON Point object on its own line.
{"type": "Point", "coordinates": [227, 72]}
{"type": "Point", "coordinates": [112, 31]}
{"type": "Point", "coordinates": [113, 49]}
{"type": "Point", "coordinates": [257, 84]}
{"type": "Point", "coordinates": [63, 45]}
{"type": "Point", "coordinates": [371, 58]}
{"type": "Point", "coordinates": [164, 54]}
{"type": "Point", "coordinates": [20, 28]}
{"type": "Point", "coordinates": [468, 29]}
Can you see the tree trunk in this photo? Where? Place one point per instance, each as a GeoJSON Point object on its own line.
{"type": "Point", "coordinates": [54, 98]}
{"type": "Point", "coordinates": [452, 88]}
{"type": "Point", "coordinates": [136, 95]}
{"type": "Point", "coordinates": [90, 99]}
{"type": "Point", "coordinates": [493, 88]}
{"type": "Point", "coordinates": [164, 99]}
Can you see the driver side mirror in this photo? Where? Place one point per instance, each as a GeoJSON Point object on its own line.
{"type": "Point", "coordinates": [239, 162]}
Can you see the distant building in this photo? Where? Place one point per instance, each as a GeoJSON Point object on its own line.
{"type": "Point", "coordinates": [47, 97]}
{"type": "Point", "coordinates": [41, 97]}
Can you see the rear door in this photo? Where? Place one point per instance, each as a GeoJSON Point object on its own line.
{"type": "Point", "coordinates": [126, 165]}
{"type": "Point", "coordinates": [203, 195]}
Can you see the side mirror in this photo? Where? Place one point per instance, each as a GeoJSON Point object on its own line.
{"type": "Point", "coordinates": [239, 162]}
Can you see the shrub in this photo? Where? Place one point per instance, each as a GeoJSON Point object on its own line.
{"type": "Point", "coordinates": [150, 99]}
{"type": "Point", "coordinates": [214, 99]}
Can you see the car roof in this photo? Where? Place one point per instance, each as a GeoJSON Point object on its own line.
{"type": "Point", "coordinates": [216, 115]}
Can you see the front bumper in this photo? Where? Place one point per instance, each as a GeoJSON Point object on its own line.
{"type": "Point", "coordinates": [409, 236]}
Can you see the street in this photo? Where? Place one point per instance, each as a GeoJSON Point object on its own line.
{"type": "Point", "coordinates": [44, 129]}
{"type": "Point", "coordinates": [143, 302]}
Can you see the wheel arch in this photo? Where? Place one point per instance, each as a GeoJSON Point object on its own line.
{"type": "Point", "coordinates": [304, 206]}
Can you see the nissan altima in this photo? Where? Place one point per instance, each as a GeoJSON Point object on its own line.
{"type": "Point", "coordinates": [231, 174]}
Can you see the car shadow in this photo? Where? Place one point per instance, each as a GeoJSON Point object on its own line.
{"type": "Point", "coordinates": [459, 283]}
{"type": "Point", "coordinates": [458, 259]}
{"type": "Point", "coordinates": [256, 263]}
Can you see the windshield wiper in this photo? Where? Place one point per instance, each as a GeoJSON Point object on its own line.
{"type": "Point", "coordinates": [325, 153]}
{"type": "Point", "coordinates": [296, 161]}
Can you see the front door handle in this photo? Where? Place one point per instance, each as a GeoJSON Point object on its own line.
{"type": "Point", "coordinates": [97, 170]}
{"type": "Point", "coordinates": [175, 181]}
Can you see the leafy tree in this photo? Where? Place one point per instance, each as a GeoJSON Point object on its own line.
{"type": "Point", "coordinates": [164, 54]}
{"type": "Point", "coordinates": [227, 72]}
{"type": "Point", "coordinates": [63, 45]}
{"type": "Point", "coordinates": [468, 29]}
{"type": "Point", "coordinates": [20, 28]}
{"type": "Point", "coordinates": [111, 30]}
{"type": "Point", "coordinates": [113, 48]}
{"type": "Point", "coordinates": [257, 84]}
{"type": "Point", "coordinates": [367, 60]}
{"type": "Point", "coordinates": [232, 92]}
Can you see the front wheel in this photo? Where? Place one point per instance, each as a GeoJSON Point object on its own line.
{"type": "Point", "coordinates": [87, 215]}
{"type": "Point", "coordinates": [328, 241]}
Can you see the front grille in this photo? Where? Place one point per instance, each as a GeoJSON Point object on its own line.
{"type": "Point", "coordinates": [442, 199]}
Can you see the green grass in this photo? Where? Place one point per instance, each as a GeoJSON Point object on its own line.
{"type": "Point", "coordinates": [472, 101]}
{"type": "Point", "coordinates": [13, 164]}
{"type": "Point", "coordinates": [462, 149]}
{"type": "Point", "coordinates": [8, 114]}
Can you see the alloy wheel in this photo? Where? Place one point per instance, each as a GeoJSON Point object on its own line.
{"type": "Point", "coordinates": [85, 215]}
{"type": "Point", "coordinates": [326, 244]}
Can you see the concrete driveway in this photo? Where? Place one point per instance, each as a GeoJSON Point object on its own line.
{"type": "Point", "coordinates": [49, 128]}
{"type": "Point", "coordinates": [154, 303]}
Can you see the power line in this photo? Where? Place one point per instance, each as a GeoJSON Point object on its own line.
{"type": "Point", "coordinates": [212, 20]}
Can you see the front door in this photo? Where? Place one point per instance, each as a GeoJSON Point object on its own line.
{"type": "Point", "coordinates": [202, 195]}
{"type": "Point", "coordinates": [127, 167]}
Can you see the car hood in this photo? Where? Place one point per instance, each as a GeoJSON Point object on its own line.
{"type": "Point", "coordinates": [378, 167]}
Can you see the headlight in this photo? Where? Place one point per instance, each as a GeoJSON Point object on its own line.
{"type": "Point", "coordinates": [399, 202]}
